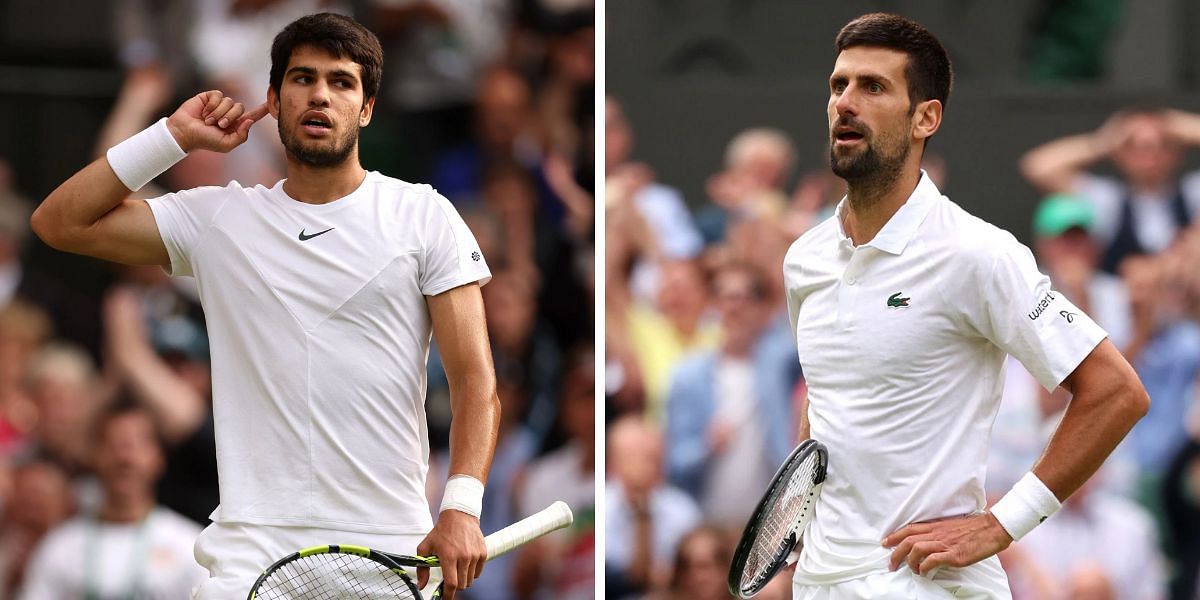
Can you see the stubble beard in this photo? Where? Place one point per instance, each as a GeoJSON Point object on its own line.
{"type": "Point", "coordinates": [871, 172]}
{"type": "Point", "coordinates": [319, 156]}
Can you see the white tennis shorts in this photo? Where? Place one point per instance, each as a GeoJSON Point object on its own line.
{"type": "Point", "coordinates": [984, 580]}
{"type": "Point", "coordinates": [235, 554]}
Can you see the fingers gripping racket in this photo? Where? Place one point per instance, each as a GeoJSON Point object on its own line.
{"type": "Point", "coordinates": [341, 572]}
{"type": "Point", "coordinates": [779, 520]}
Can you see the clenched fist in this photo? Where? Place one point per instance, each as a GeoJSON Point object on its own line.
{"type": "Point", "coordinates": [213, 121]}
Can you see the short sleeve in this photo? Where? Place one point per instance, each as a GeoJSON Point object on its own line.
{"type": "Point", "coordinates": [452, 256]}
{"type": "Point", "coordinates": [1017, 310]}
{"type": "Point", "coordinates": [182, 219]}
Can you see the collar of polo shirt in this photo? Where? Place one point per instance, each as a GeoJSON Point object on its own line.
{"type": "Point", "coordinates": [901, 228]}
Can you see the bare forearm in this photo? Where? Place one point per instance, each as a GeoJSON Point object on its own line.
{"type": "Point", "coordinates": [474, 426]}
{"type": "Point", "coordinates": [177, 407]}
{"type": "Point", "coordinates": [1054, 166]}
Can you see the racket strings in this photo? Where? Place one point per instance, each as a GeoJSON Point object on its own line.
{"type": "Point", "coordinates": [336, 577]}
{"type": "Point", "coordinates": [777, 532]}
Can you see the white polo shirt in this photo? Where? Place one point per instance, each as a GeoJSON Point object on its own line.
{"type": "Point", "coordinates": [319, 330]}
{"type": "Point", "coordinates": [903, 342]}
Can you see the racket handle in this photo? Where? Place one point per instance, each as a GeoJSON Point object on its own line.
{"type": "Point", "coordinates": [555, 516]}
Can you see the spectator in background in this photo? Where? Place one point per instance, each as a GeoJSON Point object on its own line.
{"type": "Point", "coordinates": [64, 387]}
{"type": "Point", "coordinates": [1141, 211]}
{"type": "Point", "coordinates": [701, 567]}
{"type": "Point", "coordinates": [40, 499]}
{"type": "Point", "coordinates": [675, 325]}
{"type": "Point", "coordinates": [758, 164]}
{"type": "Point", "coordinates": [561, 566]}
{"type": "Point", "coordinates": [437, 51]}
{"type": "Point", "coordinates": [23, 329]}
{"type": "Point", "coordinates": [1181, 505]}
{"type": "Point", "coordinates": [505, 131]}
{"type": "Point", "coordinates": [644, 517]}
{"type": "Point", "coordinates": [728, 411]}
{"type": "Point", "coordinates": [1062, 227]}
{"type": "Point", "coordinates": [134, 548]}
{"type": "Point", "coordinates": [166, 373]}
{"type": "Point", "coordinates": [1165, 350]}
{"type": "Point", "coordinates": [1095, 529]}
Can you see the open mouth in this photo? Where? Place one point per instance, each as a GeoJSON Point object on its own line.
{"type": "Point", "coordinates": [316, 123]}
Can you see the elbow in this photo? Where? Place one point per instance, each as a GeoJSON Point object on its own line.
{"type": "Point", "coordinates": [39, 223]}
{"type": "Point", "coordinates": [45, 226]}
{"type": "Point", "coordinates": [1132, 399]}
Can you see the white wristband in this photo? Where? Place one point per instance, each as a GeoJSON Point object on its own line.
{"type": "Point", "coordinates": [145, 156]}
{"type": "Point", "coordinates": [1025, 506]}
{"type": "Point", "coordinates": [463, 493]}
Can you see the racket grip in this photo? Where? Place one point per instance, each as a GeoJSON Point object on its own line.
{"type": "Point", "coordinates": [555, 516]}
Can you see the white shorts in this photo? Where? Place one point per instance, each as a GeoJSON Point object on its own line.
{"type": "Point", "coordinates": [984, 580]}
{"type": "Point", "coordinates": [235, 554]}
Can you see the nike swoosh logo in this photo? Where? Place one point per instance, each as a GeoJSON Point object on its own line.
{"type": "Point", "coordinates": [305, 237]}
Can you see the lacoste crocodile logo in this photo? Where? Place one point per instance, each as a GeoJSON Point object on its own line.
{"type": "Point", "coordinates": [895, 301]}
{"type": "Point", "coordinates": [305, 237]}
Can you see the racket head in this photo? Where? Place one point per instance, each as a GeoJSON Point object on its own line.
{"type": "Point", "coordinates": [779, 520]}
{"type": "Point", "coordinates": [339, 571]}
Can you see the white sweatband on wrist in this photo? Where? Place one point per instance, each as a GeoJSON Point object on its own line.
{"type": "Point", "coordinates": [463, 493]}
{"type": "Point", "coordinates": [145, 156]}
{"type": "Point", "coordinates": [1025, 506]}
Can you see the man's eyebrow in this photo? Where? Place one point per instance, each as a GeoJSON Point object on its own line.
{"type": "Point", "coordinates": [332, 73]}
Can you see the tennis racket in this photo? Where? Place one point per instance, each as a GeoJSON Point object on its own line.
{"type": "Point", "coordinates": [341, 572]}
{"type": "Point", "coordinates": [779, 520]}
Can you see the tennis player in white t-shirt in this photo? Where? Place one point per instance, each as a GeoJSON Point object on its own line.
{"type": "Point", "coordinates": [320, 294]}
{"type": "Point", "coordinates": [904, 307]}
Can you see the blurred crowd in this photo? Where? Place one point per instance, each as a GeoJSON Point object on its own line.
{"type": "Point", "coordinates": [703, 387]}
{"type": "Point", "coordinates": [106, 429]}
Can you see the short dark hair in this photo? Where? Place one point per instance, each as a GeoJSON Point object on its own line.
{"type": "Point", "coordinates": [338, 35]}
{"type": "Point", "coordinates": [929, 73]}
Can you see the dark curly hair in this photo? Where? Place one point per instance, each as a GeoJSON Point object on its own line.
{"type": "Point", "coordinates": [339, 35]}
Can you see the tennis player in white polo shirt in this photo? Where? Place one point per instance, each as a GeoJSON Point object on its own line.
{"type": "Point", "coordinates": [904, 307]}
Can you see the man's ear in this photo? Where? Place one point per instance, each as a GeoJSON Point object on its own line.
{"type": "Point", "coordinates": [273, 102]}
{"type": "Point", "coordinates": [368, 109]}
{"type": "Point", "coordinates": [926, 119]}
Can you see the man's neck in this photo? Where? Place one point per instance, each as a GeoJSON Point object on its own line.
{"type": "Point", "coordinates": [870, 205]}
{"type": "Point", "coordinates": [125, 510]}
{"type": "Point", "coordinates": [321, 185]}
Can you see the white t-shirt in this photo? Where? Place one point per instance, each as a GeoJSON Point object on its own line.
{"type": "Point", "coordinates": [86, 558]}
{"type": "Point", "coordinates": [903, 342]}
{"type": "Point", "coordinates": [319, 330]}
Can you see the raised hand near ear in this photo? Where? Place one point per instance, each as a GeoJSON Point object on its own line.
{"type": "Point", "coordinates": [213, 121]}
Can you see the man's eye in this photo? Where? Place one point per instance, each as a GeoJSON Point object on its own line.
{"type": "Point", "coordinates": [875, 88]}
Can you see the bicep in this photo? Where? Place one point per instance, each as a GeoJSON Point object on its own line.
{"type": "Point", "coordinates": [460, 329]}
{"type": "Point", "coordinates": [1101, 373]}
{"type": "Point", "coordinates": [127, 234]}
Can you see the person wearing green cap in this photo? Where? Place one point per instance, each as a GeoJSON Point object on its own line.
{"type": "Point", "coordinates": [1062, 227]}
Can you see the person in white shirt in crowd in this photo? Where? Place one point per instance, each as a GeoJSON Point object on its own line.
{"type": "Point", "coordinates": [1142, 210]}
{"type": "Point", "coordinates": [644, 517]}
{"type": "Point", "coordinates": [130, 547]}
{"type": "Point", "coordinates": [904, 308]}
{"type": "Point", "coordinates": [1098, 529]}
